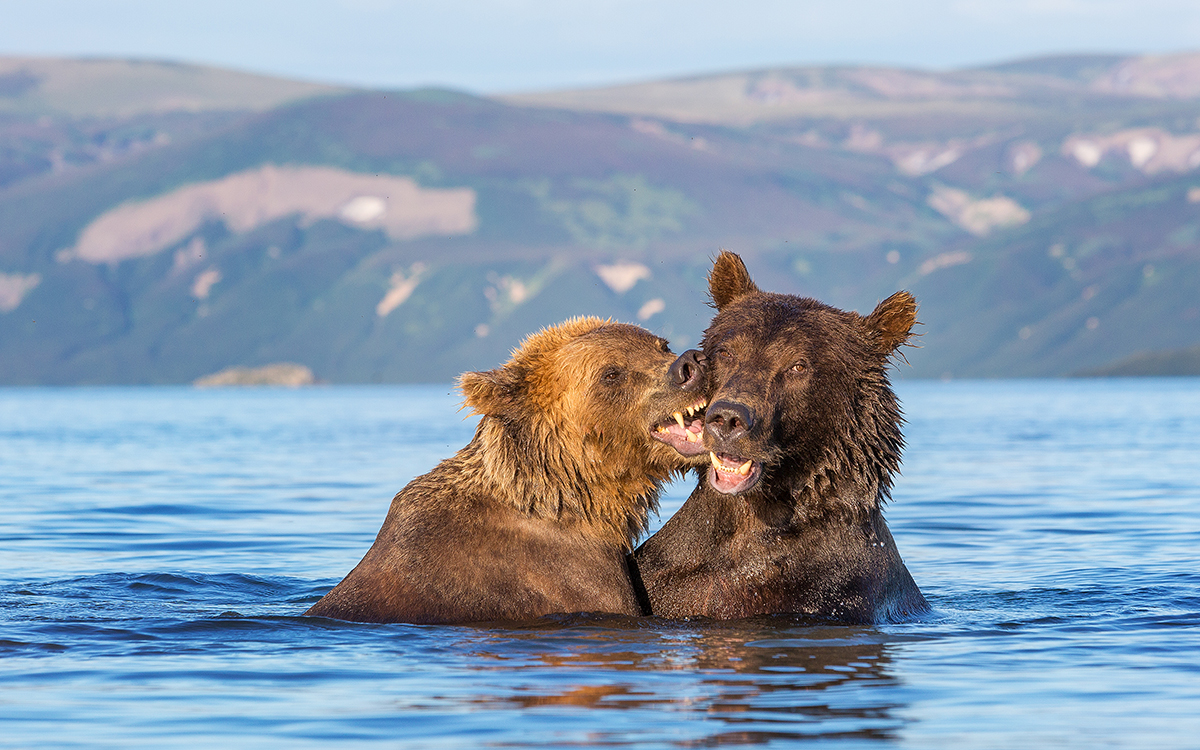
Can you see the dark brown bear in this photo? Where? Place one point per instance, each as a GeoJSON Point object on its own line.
{"type": "Point", "coordinates": [804, 434]}
{"type": "Point", "coordinates": [537, 513]}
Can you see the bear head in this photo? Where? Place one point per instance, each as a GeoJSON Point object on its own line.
{"type": "Point", "coordinates": [800, 406]}
{"type": "Point", "coordinates": [587, 420]}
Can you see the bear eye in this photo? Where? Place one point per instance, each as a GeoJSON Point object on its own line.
{"type": "Point", "coordinates": [798, 367]}
{"type": "Point", "coordinates": [611, 375]}
{"type": "Point", "coordinates": [724, 354]}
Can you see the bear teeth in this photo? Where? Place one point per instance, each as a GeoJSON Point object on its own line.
{"type": "Point", "coordinates": [719, 465]}
{"type": "Point", "coordinates": [679, 419]}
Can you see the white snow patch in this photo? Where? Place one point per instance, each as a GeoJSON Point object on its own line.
{"type": "Point", "coordinates": [517, 291]}
{"type": "Point", "coordinates": [363, 209]}
{"type": "Point", "coordinates": [1141, 150]}
{"type": "Point", "coordinates": [400, 288]}
{"type": "Point", "coordinates": [945, 260]}
{"type": "Point", "coordinates": [651, 308]}
{"type": "Point", "coordinates": [14, 287]}
{"type": "Point", "coordinates": [507, 291]}
{"type": "Point", "coordinates": [1150, 150]}
{"type": "Point", "coordinates": [204, 283]}
{"type": "Point", "coordinates": [1022, 156]}
{"type": "Point", "coordinates": [922, 161]}
{"type": "Point", "coordinates": [1086, 153]}
{"type": "Point", "coordinates": [622, 275]}
{"type": "Point", "coordinates": [977, 216]}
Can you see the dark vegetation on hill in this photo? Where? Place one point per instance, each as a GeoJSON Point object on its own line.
{"type": "Point", "coordinates": [1045, 213]}
{"type": "Point", "coordinates": [1173, 363]}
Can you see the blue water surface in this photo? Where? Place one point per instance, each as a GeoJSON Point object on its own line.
{"type": "Point", "coordinates": [157, 546]}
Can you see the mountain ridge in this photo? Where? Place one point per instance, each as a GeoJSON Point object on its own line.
{"type": "Point", "coordinates": [126, 87]}
{"type": "Point", "coordinates": [1000, 224]}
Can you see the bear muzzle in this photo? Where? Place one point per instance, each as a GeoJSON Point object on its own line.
{"type": "Point", "coordinates": [726, 423]}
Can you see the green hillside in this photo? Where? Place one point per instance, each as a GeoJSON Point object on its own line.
{"type": "Point", "coordinates": [1076, 289]}
{"type": "Point", "coordinates": [1047, 223]}
{"type": "Point", "coordinates": [557, 196]}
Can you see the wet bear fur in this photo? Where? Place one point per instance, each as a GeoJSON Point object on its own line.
{"type": "Point", "coordinates": [805, 436]}
{"type": "Point", "coordinates": [537, 513]}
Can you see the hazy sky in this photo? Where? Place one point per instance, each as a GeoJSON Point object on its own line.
{"type": "Point", "coordinates": [512, 45]}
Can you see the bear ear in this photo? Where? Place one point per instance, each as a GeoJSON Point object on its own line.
{"type": "Point", "coordinates": [489, 393]}
{"type": "Point", "coordinates": [892, 321]}
{"type": "Point", "coordinates": [728, 280]}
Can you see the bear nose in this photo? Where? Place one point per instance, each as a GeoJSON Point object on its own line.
{"type": "Point", "coordinates": [728, 420]}
{"type": "Point", "coordinates": [687, 372]}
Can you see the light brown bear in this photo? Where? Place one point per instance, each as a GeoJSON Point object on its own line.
{"type": "Point", "coordinates": [536, 515]}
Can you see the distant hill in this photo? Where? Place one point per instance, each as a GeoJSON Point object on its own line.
{"type": "Point", "coordinates": [1171, 363]}
{"type": "Point", "coordinates": [1004, 92]}
{"type": "Point", "coordinates": [1046, 214]}
{"type": "Point", "coordinates": [1077, 288]}
{"type": "Point", "coordinates": [99, 88]}
{"type": "Point", "coordinates": [60, 115]}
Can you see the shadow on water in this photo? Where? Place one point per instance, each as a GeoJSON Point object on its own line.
{"type": "Point", "coordinates": [580, 679]}
{"type": "Point", "coordinates": [751, 681]}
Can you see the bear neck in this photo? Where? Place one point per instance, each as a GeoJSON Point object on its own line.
{"type": "Point", "coordinates": [530, 468]}
{"type": "Point", "coordinates": [851, 479]}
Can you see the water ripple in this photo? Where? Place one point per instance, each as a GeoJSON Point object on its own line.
{"type": "Point", "coordinates": [160, 546]}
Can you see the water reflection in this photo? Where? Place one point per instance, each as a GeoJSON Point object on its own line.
{"type": "Point", "coordinates": [751, 682]}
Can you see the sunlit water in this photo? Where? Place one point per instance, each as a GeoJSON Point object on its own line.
{"type": "Point", "coordinates": [158, 545]}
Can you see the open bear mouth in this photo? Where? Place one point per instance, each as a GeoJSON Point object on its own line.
{"type": "Point", "coordinates": [733, 474]}
{"type": "Point", "coordinates": [684, 431]}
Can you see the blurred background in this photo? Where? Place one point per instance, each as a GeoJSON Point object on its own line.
{"type": "Point", "coordinates": [382, 191]}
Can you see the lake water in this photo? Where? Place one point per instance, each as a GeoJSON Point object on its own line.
{"type": "Point", "coordinates": [157, 546]}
